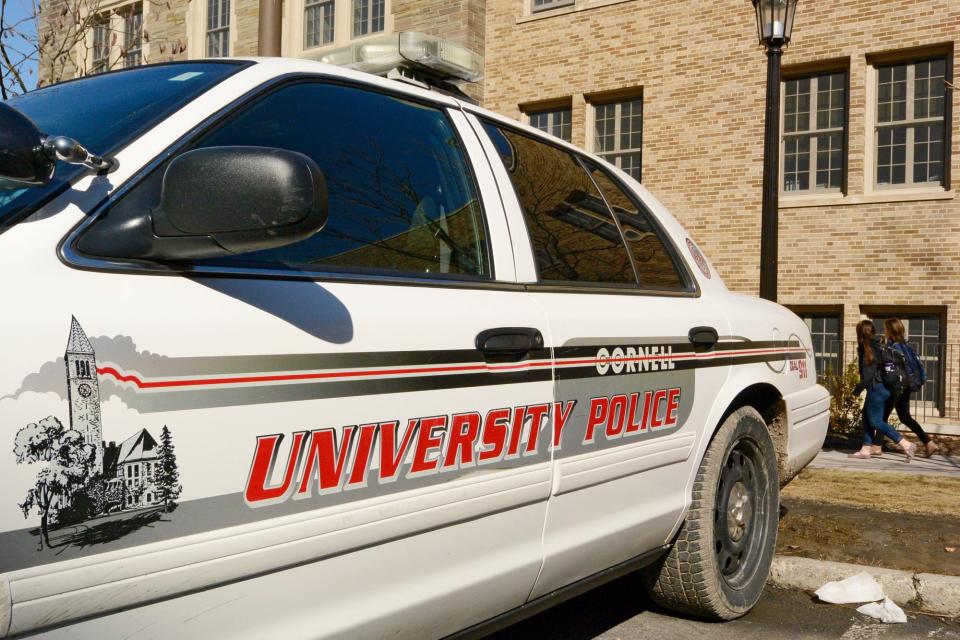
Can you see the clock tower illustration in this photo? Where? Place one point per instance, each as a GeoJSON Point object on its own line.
{"type": "Point", "coordinates": [83, 391]}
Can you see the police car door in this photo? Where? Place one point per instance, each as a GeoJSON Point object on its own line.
{"type": "Point", "coordinates": [334, 428]}
{"type": "Point", "coordinates": [628, 377]}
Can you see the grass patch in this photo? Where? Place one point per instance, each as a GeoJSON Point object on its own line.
{"type": "Point", "coordinates": [896, 493]}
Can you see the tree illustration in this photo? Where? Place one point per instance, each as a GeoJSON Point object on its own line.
{"type": "Point", "coordinates": [104, 495]}
{"type": "Point", "coordinates": [69, 462]}
{"type": "Point", "coordinates": [168, 477]}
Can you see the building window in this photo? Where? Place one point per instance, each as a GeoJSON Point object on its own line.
{"type": "Point", "coordinates": [133, 36]}
{"type": "Point", "coordinates": [910, 127]}
{"type": "Point", "coordinates": [101, 44]}
{"type": "Point", "coordinates": [814, 123]}
{"type": "Point", "coordinates": [546, 5]}
{"type": "Point", "coordinates": [318, 17]}
{"type": "Point", "coordinates": [556, 122]}
{"type": "Point", "coordinates": [827, 346]}
{"type": "Point", "coordinates": [218, 28]}
{"type": "Point", "coordinates": [618, 134]}
{"type": "Point", "coordinates": [367, 17]}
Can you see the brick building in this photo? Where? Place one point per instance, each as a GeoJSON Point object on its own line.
{"type": "Point", "coordinates": [673, 92]}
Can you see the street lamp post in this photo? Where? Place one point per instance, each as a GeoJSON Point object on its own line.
{"type": "Point", "coordinates": [774, 24]}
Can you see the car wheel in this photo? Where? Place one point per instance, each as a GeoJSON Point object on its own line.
{"type": "Point", "coordinates": [720, 560]}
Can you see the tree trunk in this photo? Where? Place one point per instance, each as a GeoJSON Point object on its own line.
{"type": "Point", "coordinates": [45, 531]}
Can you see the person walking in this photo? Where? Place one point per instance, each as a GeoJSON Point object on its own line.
{"type": "Point", "coordinates": [869, 355]}
{"type": "Point", "coordinates": [895, 334]}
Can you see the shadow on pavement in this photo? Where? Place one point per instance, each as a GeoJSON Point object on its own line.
{"type": "Point", "coordinates": [586, 616]}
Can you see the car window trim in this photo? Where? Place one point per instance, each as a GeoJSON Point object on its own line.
{"type": "Point", "coordinates": [692, 289]}
{"type": "Point", "coordinates": [540, 279]}
{"type": "Point", "coordinates": [70, 255]}
{"type": "Point", "coordinates": [678, 263]}
{"type": "Point", "coordinates": [581, 161]}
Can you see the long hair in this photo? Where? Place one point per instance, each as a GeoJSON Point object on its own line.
{"type": "Point", "coordinates": [895, 329]}
{"type": "Point", "coordinates": [866, 332]}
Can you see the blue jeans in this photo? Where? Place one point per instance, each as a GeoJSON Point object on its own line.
{"type": "Point", "coordinates": [873, 423]}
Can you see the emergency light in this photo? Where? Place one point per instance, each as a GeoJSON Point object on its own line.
{"type": "Point", "coordinates": [437, 56]}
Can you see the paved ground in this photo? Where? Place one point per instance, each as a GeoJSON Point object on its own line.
{"type": "Point", "coordinates": [620, 611]}
{"type": "Point", "coordinates": [936, 465]}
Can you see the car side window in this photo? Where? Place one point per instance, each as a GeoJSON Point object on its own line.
{"type": "Point", "coordinates": [574, 237]}
{"type": "Point", "coordinates": [402, 197]}
{"type": "Point", "coordinates": [655, 263]}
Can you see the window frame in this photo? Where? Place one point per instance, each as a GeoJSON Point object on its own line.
{"type": "Point", "coordinates": [367, 22]}
{"type": "Point", "coordinates": [100, 64]}
{"type": "Point", "coordinates": [812, 132]}
{"type": "Point", "coordinates": [551, 112]}
{"type": "Point", "coordinates": [812, 312]}
{"type": "Point", "coordinates": [692, 289]}
{"type": "Point", "coordinates": [72, 256]}
{"type": "Point", "coordinates": [131, 10]}
{"type": "Point", "coordinates": [318, 4]}
{"type": "Point", "coordinates": [222, 31]}
{"type": "Point", "coordinates": [938, 376]}
{"type": "Point", "coordinates": [548, 5]}
{"type": "Point", "coordinates": [910, 58]}
{"type": "Point", "coordinates": [616, 99]}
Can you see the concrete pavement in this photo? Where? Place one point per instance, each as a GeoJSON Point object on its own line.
{"type": "Point", "coordinates": [936, 465]}
{"type": "Point", "coordinates": [621, 611]}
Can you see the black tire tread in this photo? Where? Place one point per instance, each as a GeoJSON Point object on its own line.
{"type": "Point", "coordinates": [686, 580]}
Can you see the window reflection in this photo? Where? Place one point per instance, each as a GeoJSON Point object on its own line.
{"type": "Point", "coordinates": [573, 234]}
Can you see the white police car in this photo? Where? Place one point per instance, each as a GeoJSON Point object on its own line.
{"type": "Point", "coordinates": [312, 353]}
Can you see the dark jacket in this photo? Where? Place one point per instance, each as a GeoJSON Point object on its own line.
{"type": "Point", "coordinates": [868, 372]}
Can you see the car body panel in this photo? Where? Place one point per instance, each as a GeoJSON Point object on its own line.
{"type": "Point", "coordinates": [322, 357]}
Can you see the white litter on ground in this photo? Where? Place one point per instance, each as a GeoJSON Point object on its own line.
{"type": "Point", "coordinates": [859, 588]}
{"type": "Point", "coordinates": [886, 611]}
{"type": "Point", "coordinates": [862, 587]}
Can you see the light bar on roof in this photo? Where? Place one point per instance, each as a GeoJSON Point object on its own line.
{"type": "Point", "coordinates": [380, 55]}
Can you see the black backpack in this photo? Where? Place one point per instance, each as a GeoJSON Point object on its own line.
{"type": "Point", "coordinates": [892, 370]}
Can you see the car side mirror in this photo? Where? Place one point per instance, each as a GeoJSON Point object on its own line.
{"type": "Point", "coordinates": [23, 160]}
{"type": "Point", "coordinates": [219, 201]}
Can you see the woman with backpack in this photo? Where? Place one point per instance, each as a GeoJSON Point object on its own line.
{"type": "Point", "coordinates": [916, 377]}
{"type": "Point", "coordinates": [870, 356]}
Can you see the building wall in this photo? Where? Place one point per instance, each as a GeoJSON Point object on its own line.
{"type": "Point", "coordinates": [702, 77]}
{"type": "Point", "coordinates": [461, 21]}
{"type": "Point", "coordinates": [175, 29]}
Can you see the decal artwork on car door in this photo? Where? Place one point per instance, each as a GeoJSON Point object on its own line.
{"type": "Point", "coordinates": [107, 488]}
{"type": "Point", "coordinates": [98, 481]}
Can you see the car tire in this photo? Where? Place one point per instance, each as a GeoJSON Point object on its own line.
{"type": "Point", "coordinates": [717, 566]}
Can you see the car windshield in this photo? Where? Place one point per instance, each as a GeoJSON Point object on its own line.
{"type": "Point", "coordinates": [104, 112]}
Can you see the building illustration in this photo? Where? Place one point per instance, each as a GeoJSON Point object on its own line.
{"type": "Point", "coordinates": [129, 470]}
{"type": "Point", "coordinates": [83, 477]}
{"type": "Point", "coordinates": [83, 390]}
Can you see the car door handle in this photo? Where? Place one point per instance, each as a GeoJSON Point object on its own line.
{"type": "Point", "coordinates": [509, 340]}
{"type": "Point", "coordinates": [703, 337]}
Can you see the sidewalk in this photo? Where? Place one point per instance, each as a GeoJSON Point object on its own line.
{"type": "Point", "coordinates": [936, 465]}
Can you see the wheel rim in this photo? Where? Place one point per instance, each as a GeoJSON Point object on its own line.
{"type": "Point", "coordinates": [738, 518]}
